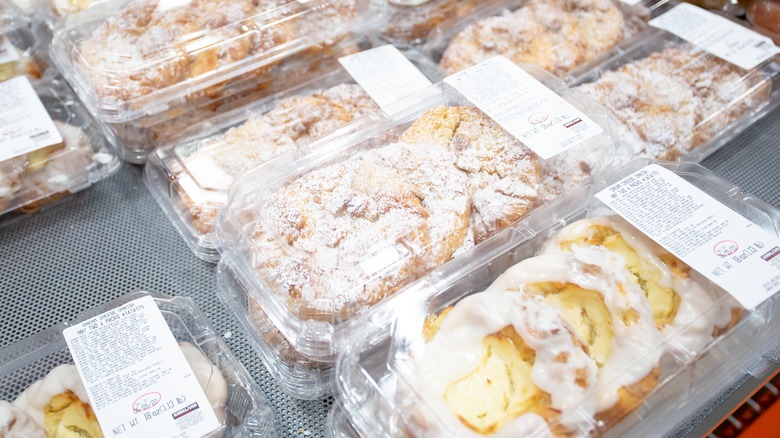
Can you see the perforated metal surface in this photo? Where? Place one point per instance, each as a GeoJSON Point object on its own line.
{"type": "Point", "coordinates": [113, 238]}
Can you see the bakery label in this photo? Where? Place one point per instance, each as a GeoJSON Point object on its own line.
{"type": "Point", "coordinates": [7, 51]}
{"type": "Point", "coordinates": [385, 74]}
{"type": "Point", "coordinates": [138, 382]}
{"type": "Point", "coordinates": [524, 107]}
{"type": "Point", "coordinates": [716, 241]}
{"type": "Point", "coordinates": [24, 123]}
{"type": "Point", "coordinates": [719, 36]}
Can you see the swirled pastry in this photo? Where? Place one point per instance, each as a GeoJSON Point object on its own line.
{"type": "Point", "coordinates": [505, 364]}
{"type": "Point", "coordinates": [57, 405]}
{"type": "Point", "coordinates": [676, 100]}
{"type": "Point", "coordinates": [679, 303]}
{"type": "Point", "coordinates": [556, 35]}
{"type": "Point", "coordinates": [597, 296]}
{"type": "Point", "coordinates": [294, 122]}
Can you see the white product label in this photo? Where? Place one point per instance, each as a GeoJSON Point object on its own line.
{"type": "Point", "coordinates": [721, 37]}
{"type": "Point", "coordinates": [385, 74]}
{"type": "Point", "coordinates": [138, 381]}
{"type": "Point", "coordinates": [24, 123]}
{"type": "Point", "coordinates": [7, 51]}
{"type": "Point", "coordinates": [722, 245]}
{"type": "Point", "coordinates": [524, 107]}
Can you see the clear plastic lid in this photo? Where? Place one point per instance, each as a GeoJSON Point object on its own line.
{"type": "Point", "coordinates": [573, 322]}
{"type": "Point", "coordinates": [21, 54]}
{"type": "Point", "coordinates": [244, 411]}
{"type": "Point", "coordinates": [322, 239]}
{"type": "Point", "coordinates": [674, 100]}
{"type": "Point", "coordinates": [410, 22]}
{"type": "Point", "coordinates": [11, 16]}
{"type": "Point", "coordinates": [64, 154]}
{"type": "Point", "coordinates": [296, 375]}
{"type": "Point", "coordinates": [337, 424]}
{"type": "Point", "coordinates": [131, 59]}
{"type": "Point", "coordinates": [135, 140]}
{"type": "Point", "coordinates": [190, 176]}
{"type": "Point", "coordinates": [564, 37]}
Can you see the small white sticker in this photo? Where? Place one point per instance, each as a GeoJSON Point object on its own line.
{"type": "Point", "coordinates": [716, 241]}
{"type": "Point", "coordinates": [524, 107]}
{"type": "Point", "coordinates": [385, 74]}
{"type": "Point", "coordinates": [7, 51]}
{"type": "Point", "coordinates": [721, 37]}
{"type": "Point", "coordinates": [24, 123]}
{"type": "Point", "coordinates": [137, 378]}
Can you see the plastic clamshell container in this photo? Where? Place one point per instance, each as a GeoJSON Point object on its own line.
{"type": "Point", "coordinates": [30, 59]}
{"type": "Point", "coordinates": [44, 176]}
{"type": "Point", "coordinates": [410, 22]}
{"type": "Point", "coordinates": [130, 59]}
{"type": "Point", "coordinates": [135, 140]}
{"type": "Point", "coordinates": [190, 177]}
{"type": "Point", "coordinates": [248, 413]}
{"type": "Point", "coordinates": [296, 375]}
{"type": "Point", "coordinates": [11, 17]}
{"type": "Point", "coordinates": [374, 377]}
{"type": "Point", "coordinates": [559, 41]}
{"type": "Point", "coordinates": [320, 326]}
{"type": "Point", "coordinates": [675, 101]}
{"type": "Point", "coordinates": [337, 424]}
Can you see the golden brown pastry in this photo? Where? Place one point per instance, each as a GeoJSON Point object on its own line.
{"type": "Point", "coordinates": [676, 100]}
{"type": "Point", "coordinates": [294, 122]}
{"type": "Point", "coordinates": [556, 35]}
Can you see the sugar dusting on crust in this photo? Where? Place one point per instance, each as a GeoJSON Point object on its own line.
{"type": "Point", "coordinates": [293, 122]}
{"type": "Point", "coordinates": [675, 100]}
{"type": "Point", "coordinates": [349, 234]}
{"type": "Point", "coordinates": [557, 35]}
{"type": "Point", "coordinates": [148, 46]}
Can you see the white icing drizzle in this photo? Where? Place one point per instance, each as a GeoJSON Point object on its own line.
{"type": "Point", "coordinates": [66, 377]}
{"type": "Point", "coordinates": [39, 394]}
{"type": "Point", "coordinates": [15, 423]}
{"type": "Point", "coordinates": [635, 349]}
{"type": "Point", "coordinates": [457, 349]}
{"type": "Point", "coordinates": [691, 329]}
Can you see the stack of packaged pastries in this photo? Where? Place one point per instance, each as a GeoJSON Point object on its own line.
{"type": "Point", "coordinates": [51, 146]}
{"type": "Point", "coordinates": [48, 398]}
{"type": "Point", "coordinates": [145, 66]}
{"type": "Point", "coordinates": [562, 325]}
{"type": "Point", "coordinates": [318, 242]}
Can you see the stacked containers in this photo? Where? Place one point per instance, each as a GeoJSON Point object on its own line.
{"type": "Point", "coordinates": [224, 380]}
{"type": "Point", "coordinates": [190, 177]}
{"type": "Point", "coordinates": [52, 146]}
{"type": "Point", "coordinates": [136, 64]}
{"type": "Point", "coordinates": [381, 380]}
{"type": "Point", "coordinates": [316, 243]}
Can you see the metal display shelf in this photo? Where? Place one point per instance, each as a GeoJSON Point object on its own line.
{"type": "Point", "coordinates": [113, 238]}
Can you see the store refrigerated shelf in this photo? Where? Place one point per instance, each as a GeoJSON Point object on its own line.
{"type": "Point", "coordinates": [113, 239]}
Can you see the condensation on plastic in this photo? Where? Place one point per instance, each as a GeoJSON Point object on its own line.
{"type": "Point", "coordinates": [248, 411]}
{"type": "Point", "coordinates": [191, 197]}
{"type": "Point", "coordinates": [176, 74]}
{"type": "Point", "coordinates": [634, 26]}
{"type": "Point", "coordinates": [378, 399]}
{"type": "Point", "coordinates": [751, 95]}
{"type": "Point", "coordinates": [320, 336]}
{"type": "Point", "coordinates": [45, 176]}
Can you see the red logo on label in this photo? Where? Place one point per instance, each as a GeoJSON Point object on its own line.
{"type": "Point", "coordinates": [725, 248]}
{"type": "Point", "coordinates": [146, 401]}
{"type": "Point", "coordinates": [537, 118]}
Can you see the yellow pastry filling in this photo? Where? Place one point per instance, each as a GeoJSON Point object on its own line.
{"type": "Point", "coordinates": [585, 311]}
{"type": "Point", "coordinates": [68, 417]}
{"type": "Point", "coordinates": [500, 389]}
{"type": "Point", "coordinates": [663, 300]}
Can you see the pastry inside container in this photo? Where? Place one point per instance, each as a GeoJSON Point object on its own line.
{"type": "Point", "coordinates": [673, 100]}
